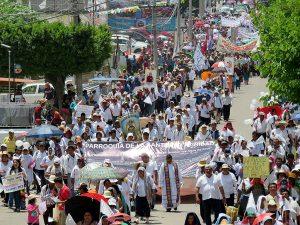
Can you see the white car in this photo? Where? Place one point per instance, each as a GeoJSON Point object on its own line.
{"type": "Point", "coordinates": [33, 92]}
{"type": "Point", "coordinates": [125, 43]}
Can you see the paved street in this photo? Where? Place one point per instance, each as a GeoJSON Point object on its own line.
{"type": "Point", "coordinates": [240, 112]}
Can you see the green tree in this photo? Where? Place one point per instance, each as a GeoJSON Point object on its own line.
{"type": "Point", "coordinates": [14, 12]}
{"type": "Point", "coordinates": [279, 51]}
{"type": "Point", "coordinates": [55, 50]}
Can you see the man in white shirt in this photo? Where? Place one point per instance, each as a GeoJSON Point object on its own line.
{"type": "Point", "coordinates": [152, 169]}
{"type": "Point", "coordinates": [227, 102]}
{"type": "Point", "coordinates": [178, 134]}
{"type": "Point", "coordinates": [161, 124]}
{"type": "Point", "coordinates": [205, 109]}
{"type": "Point", "coordinates": [115, 108]}
{"type": "Point", "coordinates": [170, 111]}
{"type": "Point", "coordinates": [191, 78]}
{"type": "Point", "coordinates": [79, 128]}
{"type": "Point", "coordinates": [209, 186]}
{"type": "Point", "coordinates": [75, 174]}
{"type": "Point", "coordinates": [106, 111]}
{"type": "Point", "coordinates": [217, 106]}
{"type": "Point", "coordinates": [260, 125]}
{"type": "Point", "coordinates": [38, 157]}
{"type": "Point", "coordinates": [189, 122]}
{"type": "Point", "coordinates": [169, 130]}
{"type": "Point", "coordinates": [228, 182]}
{"type": "Point", "coordinates": [70, 161]}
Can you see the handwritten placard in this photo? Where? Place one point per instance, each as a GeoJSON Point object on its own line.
{"type": "Point", "coordinates": [84, 109]}
{"type": "Point", "coordinates": [256, 167]}
{"type": "Point", "coordinates": [13, 183]}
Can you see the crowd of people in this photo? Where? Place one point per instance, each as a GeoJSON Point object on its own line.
{"type": "Point", "coordinates": [51, 167]}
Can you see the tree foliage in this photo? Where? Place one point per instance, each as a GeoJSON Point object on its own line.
{"type": "Point", "coordinates": [279, 52]}
{"type": "Point", "coordinates": [56, 50]}
{"type": "Point", "coordinates": [14, 12]}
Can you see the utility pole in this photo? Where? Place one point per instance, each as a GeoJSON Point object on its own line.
{"type": "Point", "coordinates": [190, 28]}
{"type": "Point", "coordinates": [201, 8]}
{"type": "Point", "coordinates": [178, 28]}
{"type": "Point", "coordinates": [76, 21]}
{"type": "Point", "coordinates": [154, 22]}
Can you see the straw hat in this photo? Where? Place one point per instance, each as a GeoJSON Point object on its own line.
{"type": "Point", "coordinates": [107, 194]}
{"type": "Point", "coordinates": [201, 163]}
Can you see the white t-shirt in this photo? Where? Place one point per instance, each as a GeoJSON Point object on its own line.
{"type": "Point", "coordinates": [204, 110]}
{"type": "Point", "coordinates": [151, 167]}
{"type": "Point", "coordinates": [228, 182]}
{"type": "Point", "coordinates": [5, 168]}
{"type": "Point", "coordinates": [209, 187]}
{"type": "Point", "coordinates": [75, 174]}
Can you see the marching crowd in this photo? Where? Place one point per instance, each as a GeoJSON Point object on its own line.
{"type": "Point", "coordinates": [52, 166]}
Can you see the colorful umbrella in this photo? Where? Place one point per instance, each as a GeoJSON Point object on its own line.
{"type": "Point", "coordinates": [98, 172]}
{"type": "Point", "coordinates": [199, 24]}
{"type": "Point", "coordinates": [79, 205]}
{"type": "Point", "coordinates": [218, 65]}
{"type": "Point", "coordinates": [269, 109]}
{"type": "Point", "coordinates": [96, 196]}
{"type": "Point", "coordinates": [119, 217]}
{"type": "Point", "coordinates": [296, 117]}
{"type": "Point", "coordinates": [206, 74]}
{"type": "Point", "coordinates": [44, 131]}
{"type": "Point", "coordinates": [260, 218]}
{"type": "Point", "coordinates": [219, 69]}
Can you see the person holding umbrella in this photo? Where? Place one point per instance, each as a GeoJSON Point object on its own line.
{"type": "Point", "coordinates": [143, 187]}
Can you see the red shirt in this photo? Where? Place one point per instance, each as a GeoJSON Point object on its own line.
{"type": "Point", "coordinates": [63, 195]}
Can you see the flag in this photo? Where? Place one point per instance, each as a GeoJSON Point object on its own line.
{"type": "Point", "coordinates": [105, 209]}
{"type": "Point", "coordinates": [42, 5]}
{"type": "Point", "coordinates": [198, 59]}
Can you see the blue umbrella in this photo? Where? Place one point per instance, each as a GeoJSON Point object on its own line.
{"type": "Point", "coordinates": [296, 117]}
{"type": "Point", "coordinates": [44, 131]}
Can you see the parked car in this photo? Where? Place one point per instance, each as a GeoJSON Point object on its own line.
{"type": "Point", "coordinates": [126, 42]}
{"type": "Point", "coordinates": [33, 92]}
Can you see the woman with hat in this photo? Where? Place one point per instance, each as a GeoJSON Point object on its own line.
{"type": "Point", "coordinates": [143, 187]}
{"type": "Point", "coordinates": [47, 196]}
{"type": "Point", "coordinates": [27, 163]}
{"type": "Point", "coordinates": [203, 134]}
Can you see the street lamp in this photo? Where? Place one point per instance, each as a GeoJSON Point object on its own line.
{"type": "Point", "coordinates": [9, 66]}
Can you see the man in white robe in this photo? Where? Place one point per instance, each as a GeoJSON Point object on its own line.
{"type": "Point", "coordinates": [170, 183]}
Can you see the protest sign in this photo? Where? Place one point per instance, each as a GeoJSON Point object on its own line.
{"type": "Point", "coordinates": [224, 45]}
{"type": "Point", "coordinates": [125, 154]}
{"type": "Point", "coordinates": [229, 64]}
{"type": "Point", "coordinates": [256, 167]}
{"type": "Point", "coordinates": [84, 109]}
{"type": "Point", "coordinates": [131, 124]}
{"type": "Point", "coordinates": [13, 183]}
{"type": "Point", "coordinates": [188, 101]}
